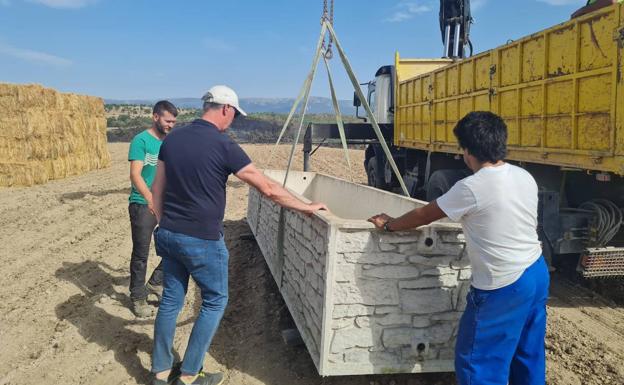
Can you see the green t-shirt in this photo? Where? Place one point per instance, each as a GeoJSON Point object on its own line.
{"type": "Point", "coordinates": [144, 147]}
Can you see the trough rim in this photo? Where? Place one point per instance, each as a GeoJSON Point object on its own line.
{"type": "Point", "coordinates": [361, 224]}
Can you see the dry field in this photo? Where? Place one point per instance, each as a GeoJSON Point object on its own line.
{"type": "Point", "coordinates": [63, 303]}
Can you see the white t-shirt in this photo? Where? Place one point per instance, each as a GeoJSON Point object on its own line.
{"type": "Point", "coordinates": [497, 207]}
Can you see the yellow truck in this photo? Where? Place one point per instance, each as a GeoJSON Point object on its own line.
{"type": "Point", "coordinates": [561, 94]}
{"type": "Point", "coordinates": [558, 90]}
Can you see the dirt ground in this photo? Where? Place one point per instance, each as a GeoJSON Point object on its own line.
{"type": "Point", "coordinates": [64, 314]}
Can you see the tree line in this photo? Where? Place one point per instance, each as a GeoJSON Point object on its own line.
{"type": "Point", "coordinates": [264, 127]}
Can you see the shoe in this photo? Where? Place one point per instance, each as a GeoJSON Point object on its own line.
{"type": "Point", "coordinates": [204, 378]}
{"type": "Point", "coordinates": [174, 373]}
{"type": "Point", "coordinates": [155, 289]}
{"type": "Point", "coordinates": [176, 370]}
{"type": "Point", "coordinates": [156, 381]}
{"type": "Point", "coordinates": [142, 309]}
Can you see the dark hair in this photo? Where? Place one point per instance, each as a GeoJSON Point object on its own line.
{"type": "Point", "coordinates": [165, 105]}
{"type": "Point", "coordinates": [484, 135]}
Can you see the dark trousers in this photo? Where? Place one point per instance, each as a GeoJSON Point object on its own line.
{"type": "Point", "coordinates": [142, 224]}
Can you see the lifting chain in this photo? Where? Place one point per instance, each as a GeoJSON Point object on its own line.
{"type": "Point", "coordinates": [329, 17]}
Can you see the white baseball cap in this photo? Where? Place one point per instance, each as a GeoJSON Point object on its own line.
{"type": "Point", "coordinates": [223, 95]}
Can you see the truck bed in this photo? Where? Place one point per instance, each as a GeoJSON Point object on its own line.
{"type": "Point", "coordinates": [560, 92]}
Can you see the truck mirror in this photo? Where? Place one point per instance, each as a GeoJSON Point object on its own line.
{"type": "Point", "coordinates": [356, 100]}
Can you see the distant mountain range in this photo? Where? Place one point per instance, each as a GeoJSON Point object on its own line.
{"type": "Point", "coordinates": [316, 105]}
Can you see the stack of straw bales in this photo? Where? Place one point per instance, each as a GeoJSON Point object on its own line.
{"type": "Point", "coordinates": [47, 135]}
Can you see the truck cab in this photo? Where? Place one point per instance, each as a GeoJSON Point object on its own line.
{"type": "Point", "coordinates": [380, 98]}
{"type": "Point", "coordinates": [380, 95]}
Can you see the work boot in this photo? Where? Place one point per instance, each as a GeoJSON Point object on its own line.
{"type": "Point", "coordinates": [204, 378]}
{"type": "Point", "coordinates": [142, 309]}
{"type": "Point", "coordinates": [157, 290]}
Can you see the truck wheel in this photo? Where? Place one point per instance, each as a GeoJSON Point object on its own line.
{"type": "Point", "coordinates": [442, 180]}
{"type": "Point", "coordinates": [374, 177]}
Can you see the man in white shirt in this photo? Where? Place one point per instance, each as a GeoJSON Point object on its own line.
{"type": "Point", "coordinates": [501, 334]}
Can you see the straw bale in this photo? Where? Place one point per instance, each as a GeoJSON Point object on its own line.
{"type": "Point", "coordinates": [47, 135]}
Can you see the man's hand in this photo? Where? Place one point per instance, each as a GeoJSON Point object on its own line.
{"type": "Point", "coordinates": [150, 206]}
{"type": "Point", "coordinates": [314, 207]}
{"type": "Point", "coordinates": [380, 220]}
{"type": "Point", "coordinates": [158, 188]}
{"type": "Point", "coordinates": [420, 216]}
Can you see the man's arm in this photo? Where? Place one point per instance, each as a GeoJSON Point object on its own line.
{"type": "Point", "coordinates": [418, 217]}
{"type": "Point", "coordinates": [158, 189]}
{"type": "Point", "coordinates": [275, 192]}
{"type": "Point", "coordinates": [136, 166]}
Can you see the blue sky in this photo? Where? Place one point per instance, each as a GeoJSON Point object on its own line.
{"type": "Point", "coordinates": [163, 49]}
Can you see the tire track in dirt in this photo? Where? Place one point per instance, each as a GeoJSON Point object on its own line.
{"type": "Point", "coordinates": [601, 311]}
{"type": "Point", "coordinates": [585, 339]}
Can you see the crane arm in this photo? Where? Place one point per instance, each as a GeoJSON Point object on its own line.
{"type": "Point", "coordinates": [455, 19]}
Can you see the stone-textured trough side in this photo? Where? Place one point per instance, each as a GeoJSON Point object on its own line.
{"type": "Point", "coordinates": [364, 301]}
{"type": "Point", "coordinates": [298, 265]}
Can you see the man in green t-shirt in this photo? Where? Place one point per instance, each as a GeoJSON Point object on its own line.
{"type": "Point", "coordinates": [143, 157]}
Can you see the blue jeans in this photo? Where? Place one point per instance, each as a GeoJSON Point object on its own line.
{"type": "Point", "coordinates": [501, 333]}
{"type": "Point", "coordinates": [206, 261]}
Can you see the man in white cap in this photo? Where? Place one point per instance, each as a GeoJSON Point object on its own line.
{"type": "Point", "coordinates": [189, 201]}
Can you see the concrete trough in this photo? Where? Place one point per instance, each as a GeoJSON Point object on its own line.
{"type": "Point", "coordinates": [365, 301]}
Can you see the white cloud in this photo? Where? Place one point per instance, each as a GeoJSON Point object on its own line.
{"type": "Point", "coordinates": [68, 4]}
{"type": "Point", "coordinates": [564, 2]}
{"type": "Point", "coordinates": [33, 56]}
{"type": "Point", "coordinates": [216, 44]}
{"type": "Point", "coordinates": [406, 10]}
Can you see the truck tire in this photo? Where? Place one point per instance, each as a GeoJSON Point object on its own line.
{"type": "Point", "coordinates": [373, 173]}
{"type": "Point", "coordinates": [442, 180]}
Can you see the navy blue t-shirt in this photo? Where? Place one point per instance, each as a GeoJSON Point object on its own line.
{"type": "Point", "coordinates": [198, 160]}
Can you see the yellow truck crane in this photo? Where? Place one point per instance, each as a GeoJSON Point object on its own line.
{"type": "Point", "coordinates": [561, 94]}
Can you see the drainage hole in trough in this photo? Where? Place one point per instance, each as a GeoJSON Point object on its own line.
{"type": "Point", "coordinates": [429, 242]}
{"type": "Point", "coordinates": [421, 347]}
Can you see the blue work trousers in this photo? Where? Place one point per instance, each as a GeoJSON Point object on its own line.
{"type": "Point", "coordinates": [501, 334]}
{"type": "Point", "coordinates": [206, 261]}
